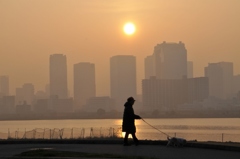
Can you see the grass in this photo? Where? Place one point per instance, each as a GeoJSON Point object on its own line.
{"type": "Point", "coordinates": [43, 153]}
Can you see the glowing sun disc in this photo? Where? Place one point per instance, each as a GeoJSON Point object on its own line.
{"type": "Point", "coordinates": [129, 28]}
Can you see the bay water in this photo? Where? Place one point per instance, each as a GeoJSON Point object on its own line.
{"type": "Point", "coordinates": [201, 129]}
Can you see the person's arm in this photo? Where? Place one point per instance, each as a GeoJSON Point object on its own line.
{"type": "Point", "coordinates": [137, 117]}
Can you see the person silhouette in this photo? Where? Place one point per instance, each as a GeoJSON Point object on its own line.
{"type": "Point", "coordinates": [128, 124]}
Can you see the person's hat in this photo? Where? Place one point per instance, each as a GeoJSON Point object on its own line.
{"type": "Point", "coordinates": [130, 99]}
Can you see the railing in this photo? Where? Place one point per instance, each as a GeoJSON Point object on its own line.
{"type": "Point", "coordinates": [65, 133]}
{"type": "Point", "coordinates": [98, 133]}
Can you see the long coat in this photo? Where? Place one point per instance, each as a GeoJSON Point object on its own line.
{"type": "Point", "coordinates": [129, 117]}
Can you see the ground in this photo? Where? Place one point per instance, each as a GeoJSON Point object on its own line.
{"type": "Point", "coordinates": [148, 151]}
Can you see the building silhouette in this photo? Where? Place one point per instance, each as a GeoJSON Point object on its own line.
{"type": "Point", "coordinates": [122, 79]}
{"type": "Point", "coordinates": [58, 76]}
{"type": "Point", "coordinates": [220, 79]}
{"type": "Point", "coordinates": [41, 106]}
{"type": "Point", "coordinates": [169, 61]}
{"type": "Point", "coordinates": [167, 94]}
{"type": "Point", "coordinates": [4, 85]}
{"type": "Point", "coordinates": [23, 108]}
{"type": "Point", "coordinates": [149, 67]}
{"type": "Point", "coordinates": [47, 90]}
{"type": "Point", "coordinates": [236, 84]}
{"type": "Point", "coordinates": [7, 104]}
{"type": "Point", "coordinates": [40, 95]}
{"type": "Point", "coordinates": [25, 94]}
{"type": "Point", "coordinates": [59, 105]}
{"type": "Point", "coordinates": [84, 83]}
{"type": "Point", "coordinates": [96, 103]}
{"type": "Point", "coordinates": [190, 69]}
{"type": "Point", "coordinates": [19, 98]}
{"type": "Point", "coordinates": [197, 89]}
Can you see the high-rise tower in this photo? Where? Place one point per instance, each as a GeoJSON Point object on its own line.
{"type": "Point", "coordinates": [170, 60]}
{"type": "Point", "coordinates": [190, 69]}
{"type": "Point", "coordinates": [122, 78]}
{"type": "Point", "coordinates": [58, 76]}
{"type": "Point", "coordinates": [149, 67]}
{"type": "Point", "coordinates": [84, 83]}
{"type": "Point", "coordinates": [220, 79]}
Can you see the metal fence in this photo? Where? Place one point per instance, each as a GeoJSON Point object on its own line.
{"type": "Point", "coordinates": [82, 133]}
{"type": "Point", "coordinates": [65, 133]}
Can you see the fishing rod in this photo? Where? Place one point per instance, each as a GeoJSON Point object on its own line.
{"type": "Point", "coordinates": [157, 129]}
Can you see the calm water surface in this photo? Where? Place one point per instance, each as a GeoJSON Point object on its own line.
{"type": "Point", "coordinates": [221, 125]}
{"type": "Point", "coordinates": [144, 131]}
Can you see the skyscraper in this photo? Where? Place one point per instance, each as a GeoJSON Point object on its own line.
{"type": "Point", "coordinates": [220, 79]}
{"type": "Point", "coordinates": [122, 78]}
{"type": "Point", "coordinates": [167, 94]}
{"type": "Point", "coordinates": [190, 69]}
{"type": "Point", "coordinates": [170, 60]}
{"type": "Point", "coordinates": [84, 83]}
{"type": "Point", "coordinates": [4, 85]}
{"type": "Point", "coordinates": [58, 76]}
{"type": "Point", "coordinates": [236, 84]}
{"type": "Point", "coordinates": [149, 67]}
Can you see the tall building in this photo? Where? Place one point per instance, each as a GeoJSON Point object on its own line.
{"type": "Point", "coordinates": [149, 67]}
{"type": "Point", "coordinates": [162, 94]}
{"type": "Point", "coordinates": [58, 76]}
{"type": "Point", "coordinates": [122, 79]}
{"type": "Point", "coordinates": [19, 98]}
{"type": "Point", "coordinates": [4, 85]}
{"type": "Point", "coordinates": [170, 60]}
{"type": "Point", "coordinates": [190, 69]}
{"type": "Point", "coordinates": [220, 79]}
{"type": "Point", "coordinates": [198, 89]}
{"type": "Point", "coordinates": [28, 92]}
{"type": "Point", "coordinates": [167, 94]}
{"type": "Point", "coordinates": [84, 83]}
{"type": "Point", "coordinates": [236, 84]}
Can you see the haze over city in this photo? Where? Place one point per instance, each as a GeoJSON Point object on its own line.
{"type": "Point", "coordinates": [92, 31]}
{"type": "Point", "coordinates": [87, 69]}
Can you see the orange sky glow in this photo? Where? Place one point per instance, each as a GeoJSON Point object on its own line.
{"type": "Point", "coordinates": [92, 31]}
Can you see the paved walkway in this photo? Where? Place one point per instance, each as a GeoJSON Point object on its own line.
{"type": "Point", "coordinates": [157, 151]}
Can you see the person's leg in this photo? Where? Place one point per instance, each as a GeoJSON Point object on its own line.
{"type": "Point", "coordinates": [126, 139]}
{"type": "Point", "coordinates": [135, 139]}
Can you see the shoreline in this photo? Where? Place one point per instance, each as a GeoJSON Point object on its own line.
{"type": "Point", "coordinates": [20, 119]}
{"type": "Point", "coordinates": [118, 115]}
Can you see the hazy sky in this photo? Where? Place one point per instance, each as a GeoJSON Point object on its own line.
{"type": "Point", "coordinates": [91, 31]}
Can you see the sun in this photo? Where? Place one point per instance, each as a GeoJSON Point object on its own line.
{"type": "Point", "coordinates": [129, 28]}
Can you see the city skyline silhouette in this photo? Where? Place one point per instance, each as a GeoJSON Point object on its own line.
{"type": "Point", "coordinates": [91, 31]}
